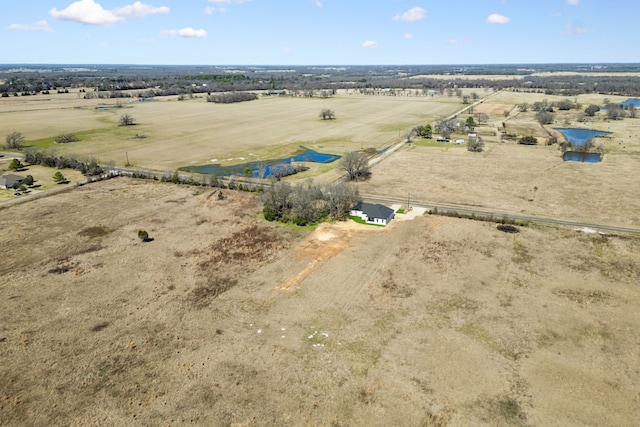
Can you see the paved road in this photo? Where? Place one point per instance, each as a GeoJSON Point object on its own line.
{"type": "Point", "coordinates": [467, 210]}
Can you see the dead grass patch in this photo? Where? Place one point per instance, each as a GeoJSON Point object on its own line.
{"type": "Point", "coordinates": [254, 243]}
{"type": "Point", "coordinates": [202, 295]}
{"type": "Point", "coordinates": [583, 297]}
{"type": "Point", "coordinates": [95, 231]}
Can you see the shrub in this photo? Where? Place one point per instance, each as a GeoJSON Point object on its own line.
{"type": "Point", "coordinates": [528, 140]}
{"type": "Point", "coordinates": [143, 235]}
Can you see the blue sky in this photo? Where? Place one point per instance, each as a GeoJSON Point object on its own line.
{"type": "Point", "coordinates": [308, 32]}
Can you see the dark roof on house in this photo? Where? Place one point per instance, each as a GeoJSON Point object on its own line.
{"type": "Point", "coordinates": [374, 211]}
{"type": "Point", "coordinates": [10, 179]}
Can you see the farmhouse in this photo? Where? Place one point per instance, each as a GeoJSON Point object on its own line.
{"type": "Point", "coordinates": [373, 214]}
{"type": "Point", "coordinates": [9, 180]}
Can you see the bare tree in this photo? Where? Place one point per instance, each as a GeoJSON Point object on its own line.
{"type": "Point", "coordinates": [482, 117]}
{"type": "Point", "coordinates": [307, 204]}
{"type": "Point", "coordinates": [14, 141]}
{"type": "Point", "coordinates": [356, 165]}
{"type": "Point", "coordinates": [632, 111]}
{"type": "Point", "coordinates": [544, 117]}
{"type": "Point", "coordinates": [615, 112]}
{"type": "Point", "coordinates": [327, 114]}
{"type": "Point", "coordinates": [126, 120]}
{"type": "Point", "coordinates": [475, 144]}
{"type": "Point", "coordinates": [277, 200]}
{"type": "Point", "coordinates": [445, 127]}
{"type": "Point", "coordinates": [65, 138]}
{"type": "Point", "coordinates": [341, 198]}
{"type": "Point", "coordinates": [591, 110]}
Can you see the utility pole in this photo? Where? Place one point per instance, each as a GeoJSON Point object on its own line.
{"type": "Point", "coordinates": [409, 202]}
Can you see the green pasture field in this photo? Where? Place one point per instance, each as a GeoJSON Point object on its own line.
{"type": "Point", "coordinates": [170, 134]}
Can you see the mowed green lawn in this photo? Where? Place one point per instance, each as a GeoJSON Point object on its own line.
{"type": "Point", "coordinates": [193, 132]}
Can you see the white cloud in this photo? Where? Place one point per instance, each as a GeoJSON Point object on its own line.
{"type": "Point", "coordinates": [92, 13]}
{"type": "Point", "coordinates": [185, 32]}
{"type": "Point", "coordinates": [286, 50]}
{"type": "Point", "coordinates": [497, 19]}
{"type": "Point", "coordinates": [140, 10]}
{"type": "Point", "coordinates": [86, 12]}
{"type": "Point", "coordinates": [573, 30]}
{"type": "Point", "coordinates": [414, 14]}
{"type": "Point", "coordinates": [573, 2]}
{"type": "Point", "coordinates": [38, 26]}
{"type": "Point", "coordinates": [452, 41]}
{"type": "Point", "coordinates": [369, 44]}
{"type": "Point", "coordinates": [408, 36]}
{"type": "Point", "coordinates": [228, 1]}
{"type": "Point", "coordinates": [318, 3]}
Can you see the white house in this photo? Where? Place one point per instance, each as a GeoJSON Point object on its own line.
{"type": "Point", "coordinates": [373, 214]}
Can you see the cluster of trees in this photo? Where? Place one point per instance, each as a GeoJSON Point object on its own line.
{"type": "Point", "coordinates": [307, 203]}
{"type": "Point", "coordinates": [425, 131]}
{"type": "Point", "coordinates": [88, 167]}
{"type": "Point", "coordinates": [231, 97]}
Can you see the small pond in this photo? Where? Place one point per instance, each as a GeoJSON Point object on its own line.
{"type": "Point", "coordinates": [577, 156]}
{"type": "Point", "coordinates": [115, 107]}
{"type": "Point", "coordinates": [578, 137]}
{"type": "Point", "coordinates": [631, 101]}
{"type": "Point", "coordinates": [266, 168]}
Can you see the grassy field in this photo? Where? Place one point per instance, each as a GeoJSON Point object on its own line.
{"type": "Point", "coordinates": [194, 132]}
{"type": "Point", "coordinates": [223, 319]}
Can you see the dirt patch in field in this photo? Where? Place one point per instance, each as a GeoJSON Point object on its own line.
{"type": "Point", "coordinates": [433, 321]}
{"type": "Point", "coordinates": [493, 109]}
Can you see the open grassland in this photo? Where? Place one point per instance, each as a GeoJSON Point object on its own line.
{"type": "Point", "coordinates": [223, 319]}
{"type": "Point", "coordinates": [194, 132]}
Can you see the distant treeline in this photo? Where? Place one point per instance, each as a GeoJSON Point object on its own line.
{"type": "Point", "coordinates": [114, 82]}
{"type": "Point", "coordinates": [231, 97]}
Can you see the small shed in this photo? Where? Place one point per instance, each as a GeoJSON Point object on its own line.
{"type": "Point", "coordinates": [373, 213]}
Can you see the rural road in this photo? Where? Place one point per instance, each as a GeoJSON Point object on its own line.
{"type": "Point", "coordinates": [467, 210]}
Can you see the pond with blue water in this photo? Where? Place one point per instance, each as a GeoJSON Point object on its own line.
{"type": "Point", "coordinates": [578, 137]}
{"type": "Point", "coordinates": [578, 156]}
{"type": "Point", "coordinates": [265, 168]}
{"type": "Point", "coordinates": [631, 101]}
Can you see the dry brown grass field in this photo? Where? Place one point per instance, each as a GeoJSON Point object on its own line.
{"type": "Point", "coordinates": [223, 319]}
{"type": "Point", "coordinates": [194, 132]}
